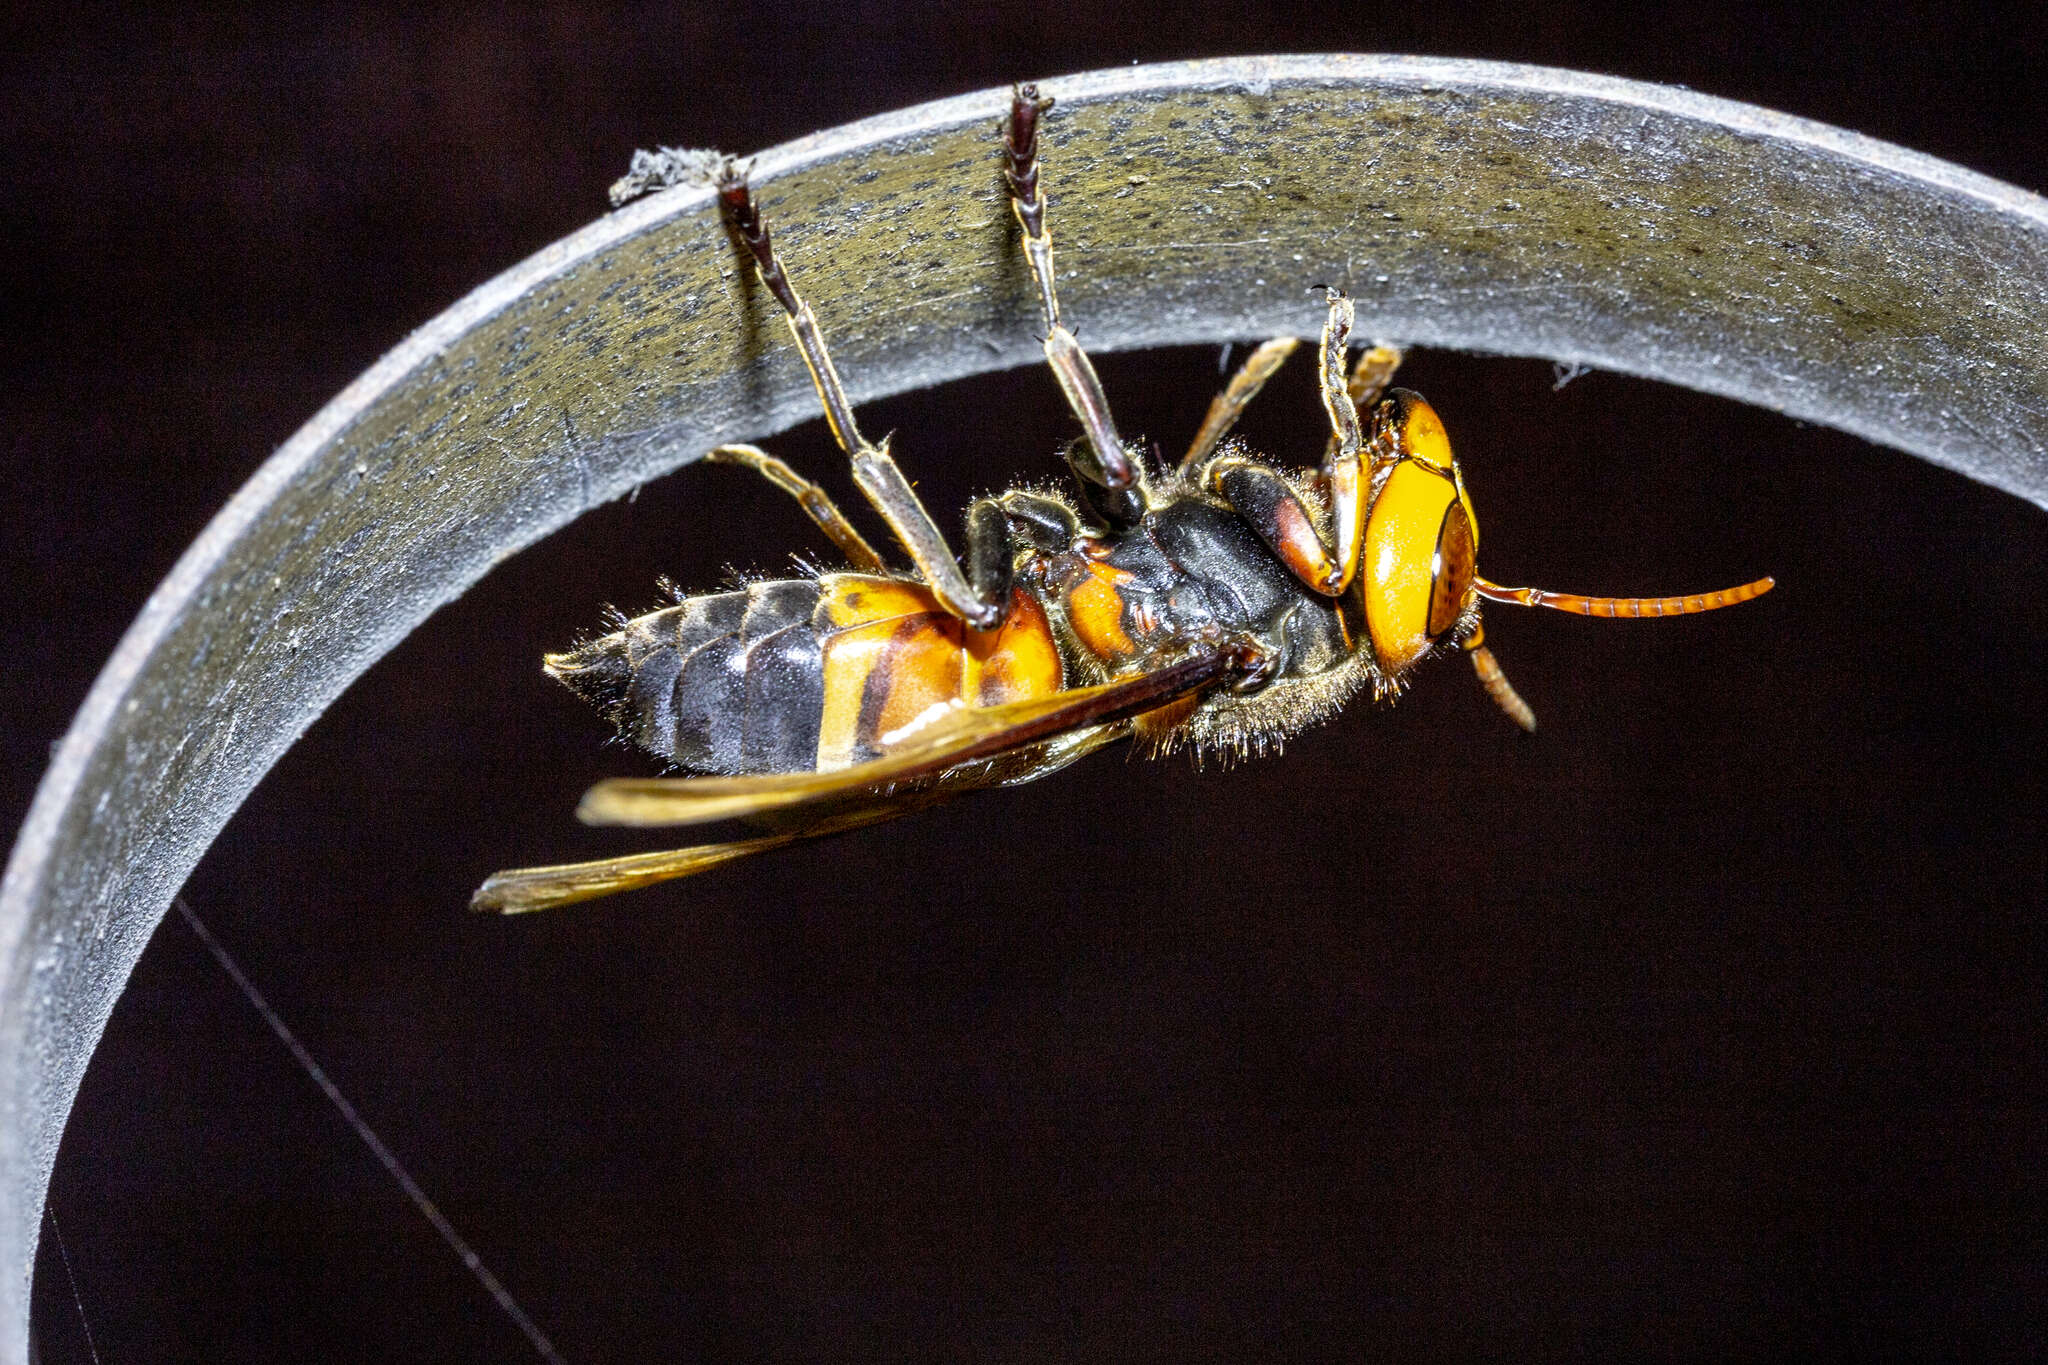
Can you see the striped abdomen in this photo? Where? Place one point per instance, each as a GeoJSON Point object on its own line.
{"type": "Point", "coordinates": [802, 674]}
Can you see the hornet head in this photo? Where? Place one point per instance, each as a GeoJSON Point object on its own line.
{"type": "Point", "coordinates": [1418, 585]}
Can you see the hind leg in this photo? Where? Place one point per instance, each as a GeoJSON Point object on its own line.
{"type": "Point", "coordinates": [817, 504]}
{"type": "Point", "coordinates": [874, 469]}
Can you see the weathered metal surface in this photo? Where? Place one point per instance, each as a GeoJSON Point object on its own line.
{"type": "Point", "coordinates": [1488, 207]}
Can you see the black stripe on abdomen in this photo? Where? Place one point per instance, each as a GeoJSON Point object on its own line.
{"type": "Point", "coordinates": [729, 682]}
{"type": "Point", "coordinates": [785, 696]}
{"type": "Point", "coordinates": [746, 699]}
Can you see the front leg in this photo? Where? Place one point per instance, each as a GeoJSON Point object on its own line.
{"type": "Point", "coordinates": [1372, 372]}
{"type": "Point", "coordinates": [1343, 475]}
{"type": "Point", "coordinates": [1269, 505]}
{"type": "Point", "coordinates": [1257, 493]}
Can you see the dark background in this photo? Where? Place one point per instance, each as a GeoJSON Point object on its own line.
{"type": "Point", "coordinates": [1707, 1022]}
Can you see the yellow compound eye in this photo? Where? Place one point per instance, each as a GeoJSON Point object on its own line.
{"type": "Point", "coordinates": [1420, 542]}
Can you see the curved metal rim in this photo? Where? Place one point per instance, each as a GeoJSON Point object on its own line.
{"type": "Point", "coordinates": [35, 1089]}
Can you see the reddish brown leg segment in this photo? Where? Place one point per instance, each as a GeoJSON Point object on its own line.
{"type": "Point", "coordinates": [1259, 495]}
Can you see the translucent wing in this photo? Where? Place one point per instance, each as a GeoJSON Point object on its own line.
{"type": "Point", "coordinates": [541, 888]}
{"type": "Point", "coordinates": [976, 748]}
{"type": "Point", "coordinates": [520, 889]}
{"type": "Point", "coordinates": [954, 738]}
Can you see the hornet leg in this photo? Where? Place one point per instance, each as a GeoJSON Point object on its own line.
{"type": "Point", "coordinates": [1370, 375]}
{"type": "Point", "coordinates": [1105, 462]}
{"type": "Point", "coordinates": [1372, 372]}
{"type": "Point", "coordinates": [998, 526]}
{"type": "Point", "coordinates": [874, 470]}
{"type": "Point", "coordinates": [1226, 407]}
{"type": "Point", "coordinates": [1257, 493]}
{"type": "Point", "coordinates": [1342, 473]}
{"type": "Point", "coordinates": [1261, 496]}
{"type": "Point", "coordinates": [817, 504]}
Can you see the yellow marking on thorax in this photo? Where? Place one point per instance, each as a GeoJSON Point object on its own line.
{"type": "Point", "coordinates": [1095, 609]}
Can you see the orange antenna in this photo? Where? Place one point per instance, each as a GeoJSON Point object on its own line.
{"type": "Point", "coordinates": [1623, 606]}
